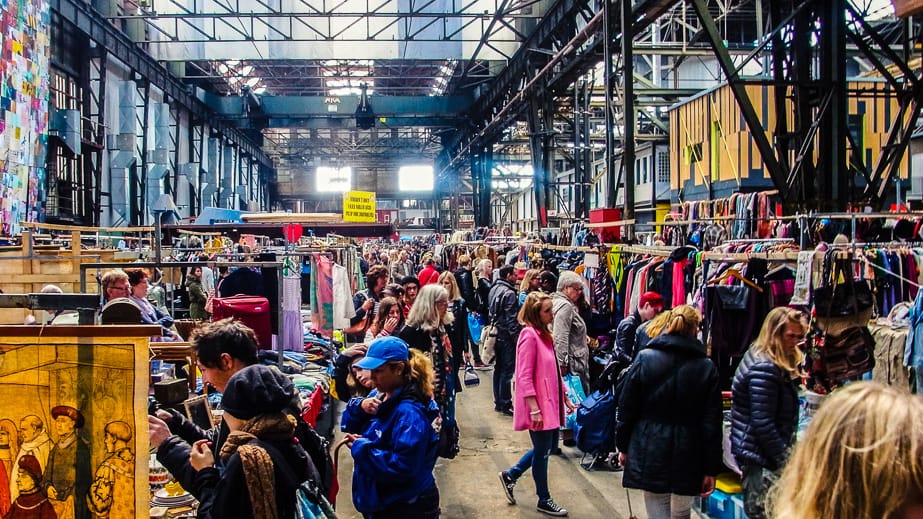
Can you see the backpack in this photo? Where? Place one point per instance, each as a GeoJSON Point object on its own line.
{"type": "Point", "coordinates": [318, 449]}
{"type": "Point", "coordinates": [594, 428]}
{"type": "Point", "coordinates": [310, 503]}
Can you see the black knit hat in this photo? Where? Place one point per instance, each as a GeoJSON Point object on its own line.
{"type": "Point", "coordinates": [257, 390]}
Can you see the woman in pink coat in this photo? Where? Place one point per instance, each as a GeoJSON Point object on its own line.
{"type": "Point", "coordinates": [539, 403]}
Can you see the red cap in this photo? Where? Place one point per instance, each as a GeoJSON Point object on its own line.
{"type": "Point", "coordinates": [652, 298]}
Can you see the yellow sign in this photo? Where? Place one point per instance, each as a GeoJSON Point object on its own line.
{"type": "Point", "coordinates": [359, 206]}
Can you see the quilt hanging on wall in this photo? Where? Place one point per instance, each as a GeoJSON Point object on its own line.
{"type": "Point", "coordinates": [24, 95]}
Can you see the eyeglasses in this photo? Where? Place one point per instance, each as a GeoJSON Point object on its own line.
{"type": "Point", "coordinates": [125, 288]}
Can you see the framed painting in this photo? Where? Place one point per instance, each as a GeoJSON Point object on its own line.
{"type": "Point", "coordinates": [73, 420]}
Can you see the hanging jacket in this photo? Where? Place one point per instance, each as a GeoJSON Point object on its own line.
{"type": "Point", "coordinates": [669, 418]}
{"type": "Point", "coordinates": [393, 460]}
{"type": "Point", "coordinates": [913, 348]}
{"type": "Point", "coordinates": [764, 413]}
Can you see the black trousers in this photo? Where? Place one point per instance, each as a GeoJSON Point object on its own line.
{"type": "Point", "coordinates": [504, 366]}
{"type": "Point", "coordinates": [424, 507]}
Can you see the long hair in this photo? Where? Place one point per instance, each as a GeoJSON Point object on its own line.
{"type": "Point", "coordinates": [454, 293]}
{"type": "Point", "coordinates": [423, 314]}
{"type": "Point", "coordinates": [531, 313]}
{"type": "Point", "coordinates": [420, 372]}
{"type": "Point", "coordinates": [384, 308]}
{"type": "Point", "coordinates": [682, 320]}
{"type": "Point", "coordinates": [482, 266]}
{"type": "Point", "coordinates": [12, 433]}
{"type": "Point", "coordinates": [772, 334]}
{"type": "Point", "coordinates": [862, 456]}
{"type": "Point", "coordinates": [527, 278]}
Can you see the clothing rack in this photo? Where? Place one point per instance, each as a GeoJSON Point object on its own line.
{"type": "Point", "coordinates": [645, 250]}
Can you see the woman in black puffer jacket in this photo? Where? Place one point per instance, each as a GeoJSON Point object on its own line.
{"type": "Point", "coordinates": [764, 411]}
{"type": "Point", "coordinates": [668, 428]}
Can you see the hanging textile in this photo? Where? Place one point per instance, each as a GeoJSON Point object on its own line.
{"type": "Point", "coordinates": [322, 294]}
{"type": "Point", "coordinates": [291, 333]}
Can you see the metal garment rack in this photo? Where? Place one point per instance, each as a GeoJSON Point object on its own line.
{"type": "Point", "coordinates": [280, 347]}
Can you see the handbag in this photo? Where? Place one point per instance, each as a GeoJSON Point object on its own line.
{"type": "Point", "coordinates": [363, 325]}
{"type": "Point", "coordinates": [471, 376]}
{"type": "Point", "coordinates": [842, 299]}
{"type": "Point", "coordinates": [849, 354]}
{"type": "Point", "coordinates": [489, 344]}
{"type": "Point", "coordinates": [448, 439]}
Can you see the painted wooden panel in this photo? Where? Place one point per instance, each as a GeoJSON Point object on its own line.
{"type": "Point", "coordinates": [691, 127]}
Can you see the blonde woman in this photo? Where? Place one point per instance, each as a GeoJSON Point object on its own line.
{"type": "Point", "coordinates": [862, 456]}
{"type": "Point", "coordinates": [765, 404]}
{"type": "Point", "coordinates": [426, 331]}
{"type": "Point", "coordinates": [668, 429]}
{"type": "Point", "coordinates": [530, 283]}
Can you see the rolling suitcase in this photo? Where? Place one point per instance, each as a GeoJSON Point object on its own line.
{"type": "Point", "coordinates": [250, 310]}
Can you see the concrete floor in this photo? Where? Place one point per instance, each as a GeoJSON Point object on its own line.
{"type": "Point", "coordinates": [468, 484]}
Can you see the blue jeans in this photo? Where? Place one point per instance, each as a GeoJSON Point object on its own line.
{"type": "Point", "coordinates": [537, 459]}
{"type": "Point", "coordinates": [504, 366]}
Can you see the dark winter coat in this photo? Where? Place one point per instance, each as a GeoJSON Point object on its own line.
{"type": "Point", "coordinates": [173, 453]}
{"type": "Point", "coordinates": [482, 297]}
{"type": "Point", "coordinates": [764, 412]}
{"type": "Point", "coordinates": [224, 493]}
{"type": "Point", "coordinates": [458, 335]}
{"type": "Point", "coordinates": [625, 334]}
{"type": "Point", "coordinates": [669, 418]}
{"type": "Point", "coordinates": [466, 286]}
{"type": "Point", "coordinates": [504, 311]}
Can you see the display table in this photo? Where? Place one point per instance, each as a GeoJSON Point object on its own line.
{"type": "Point", "coordinates": [177, 352]}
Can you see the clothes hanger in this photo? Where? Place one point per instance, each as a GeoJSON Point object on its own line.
{"type": "Point", "coordinates": [732, 272]}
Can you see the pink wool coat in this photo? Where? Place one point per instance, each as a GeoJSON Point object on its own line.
{"type": "Point", "coordinates": [537, 375]}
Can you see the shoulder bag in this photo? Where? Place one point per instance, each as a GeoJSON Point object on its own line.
{"type": "Point", "coordinates": [489, 341]}
{"type": "Point", "coordinates": [841, 299]}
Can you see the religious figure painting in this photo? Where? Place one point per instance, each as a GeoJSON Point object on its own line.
{"type": "Point", "coordinates": [70, 415]}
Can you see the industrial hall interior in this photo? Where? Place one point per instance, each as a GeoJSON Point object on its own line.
{"type": "Point", "coordinates": [375, 259]}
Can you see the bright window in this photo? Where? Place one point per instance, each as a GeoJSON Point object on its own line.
{"type": "Point", "coordinates": [415, 178]}
{"type": "Point", "coordinates": [334, 180]}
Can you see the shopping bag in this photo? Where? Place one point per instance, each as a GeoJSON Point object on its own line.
{"type": "Point", "coordinates": [475, 324]}
{"type": "Point", "coordinates": [471, 376]}
{"type": "Point", "coordinates": [488, 344]}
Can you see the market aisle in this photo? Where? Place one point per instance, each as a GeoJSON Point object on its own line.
{"type": "Point", "coordinates": [469, 486]}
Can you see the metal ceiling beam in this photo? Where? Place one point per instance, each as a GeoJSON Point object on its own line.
{"type": "Point", "coordinates": [81, 16]}
{"type": "Point", "coordinates": [337, 112]}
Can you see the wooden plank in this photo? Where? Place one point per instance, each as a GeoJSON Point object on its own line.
{"type": "Point", "coordinates": [92, 330]}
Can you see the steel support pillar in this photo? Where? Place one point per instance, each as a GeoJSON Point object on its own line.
{"type": "Point", "coordinates": [834, 178]}
{"type": "Point", "coordinates": [93, 139]}
{"type": "Point", "coordinates": [628, 112]}
{"type": "Point", "coordinates": [754, 123]}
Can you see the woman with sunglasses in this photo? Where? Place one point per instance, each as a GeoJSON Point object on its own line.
{"type": "Point", "coordinates": [764, 411]}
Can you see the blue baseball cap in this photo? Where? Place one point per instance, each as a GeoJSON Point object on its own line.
{"type": "Point", "coordinates": [382, 350]}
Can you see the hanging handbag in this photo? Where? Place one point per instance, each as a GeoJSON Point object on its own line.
{"type": "Point", "coordinates": [363, 325]}
{"type": "Point", "coordinates": [471, 376]}
{"type": "Point", "coordinates": [849, 354]}
{"type": "Point", "coordinates": [841, 299]}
